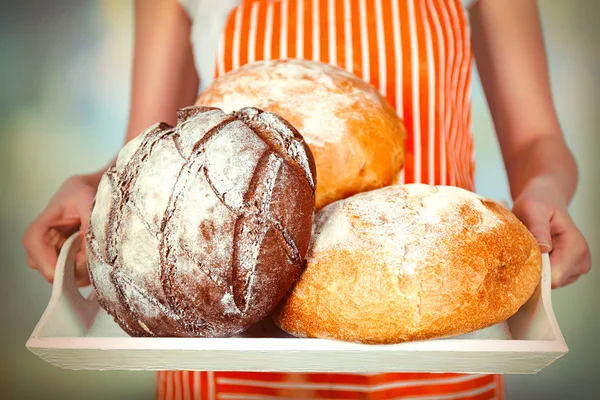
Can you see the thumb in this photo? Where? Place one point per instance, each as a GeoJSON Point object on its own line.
{"type": "Point", "coordinates": [84, 206]}
{"type": "Point", "coordinates": [537, 218]}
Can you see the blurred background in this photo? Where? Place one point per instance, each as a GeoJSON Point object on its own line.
{"type": "Point", "coordinates": [64, 94]}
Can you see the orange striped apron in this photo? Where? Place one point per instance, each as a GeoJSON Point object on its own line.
{"type": "Point", "coordinates": [418, 54]}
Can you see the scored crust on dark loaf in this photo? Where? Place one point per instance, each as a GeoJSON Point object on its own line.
{"type": "Point", "coordinates": [200, 229]}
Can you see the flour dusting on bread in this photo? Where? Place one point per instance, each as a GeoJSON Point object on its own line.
{"type": "Point", "coordinates": [396, 216]}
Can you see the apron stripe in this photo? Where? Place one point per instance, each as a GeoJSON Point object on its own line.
{"type": "Point", "coordinates": [268, 32]}
{"type": "Point", "coordinates": [437, 101]}
{"type": "Point", "coordinates": [324, 31]}
{"type": "Point", "coordinates": [261, 26]}
{"type": "Point", "coordinates": [177, 385]}
{"type": "Point", "coordinates": [341, 13]}
{"type": "Point", "coordinates": [331, 32]}
{"type": "Point", "coordinates": [398, 71]}
{"type": "Point", "coordinates": [252, 36]}
{"type": "Point", "coordinates": [466, 102]}
{"type": "Point", "coordinates": [451, 93]}
{"type": "Point", "coordinates": [196, 386]}
{"type": "Point", "coordinates": [422, 63]}
{"type": "Point", "coordinates": [284, 27]}
{"type": "Point", "coordinates": [450, 58]}
{"type": "Point", "coordinates": [459, 92]}
{"type": "Point", "coordinates": [184, 384]}
{"type": "Point", "coordinates": [204, 385]}
{"type": "Point", "coordinates": [276, 23]}
{"type": "Point", "coordinates": [228, 45]}
{"type": "Point", "coordinates": [381, 49]}
{"type": "Point", "coordinates": [364, 42]}
{"type": "Point", "coordinates": [371, 38]}
{"type": "Point", "coordinates": [462, 100]}
{"type": "Point", "coordinates": [160, 385]}
{"type": "Point", "coordinates": [237, 35]}
{"type": "Point", "coordinates": [292, 31]}
{"type": "Point", "coordinates": [348, 49]}
{"type": "Point", "coordinates": [169, 386]}
{"type": "Point", "coordinates": [308, 28]}
{"type": "Point", "coordinates": [407, 87]}
{"type": "Point", "coordinates": [432, 69]}
{"type": "Point", "coordinates": [244, 34]}
{"type": "Point", "coordinates": [316, 42]}
{"type": "Point", "coordinates": [355, 32]}
{"type": "Point", "coordinates": [187, 382]}
{"type": "Point", "coordinates": [299, 18]}
{"type": "Point", "coordinates": [444, 94]}
{"type": "Point", "coordinates": [416, 89]}
{"type": "Point", "coordinates": [356, 40]}
{"type": "Point", "coordinates": [388, 45]}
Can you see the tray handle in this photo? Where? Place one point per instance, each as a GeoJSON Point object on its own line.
{"type": "Point", "coordinates": [64, 289]}
{"type": "Point", "coordinates": [67, 308]}
{"type": "Point", "coordinates": [85, 308]}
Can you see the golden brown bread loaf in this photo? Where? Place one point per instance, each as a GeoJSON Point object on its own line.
{"type": "Point", "coordinates": [411, 262]}
{"type": "Point", "coordinates": [355, 135]}
{"type": "Point", "coordinates": [200, 229]}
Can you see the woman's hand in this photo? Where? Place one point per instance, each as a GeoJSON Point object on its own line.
{"type": "Point", "coordinates": [67, 212]}
{"type": "Point", "coordinates": [542, 208]}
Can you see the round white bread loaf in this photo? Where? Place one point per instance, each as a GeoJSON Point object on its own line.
{"type": "Point", "coordinates": [411, 262]}
{"type": "Point", "coordinates": [355, 135]}
{"type": "Point", "coordinates": [200, 229]}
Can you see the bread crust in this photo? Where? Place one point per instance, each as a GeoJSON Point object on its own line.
{"type": "Point", "coordinates": [345, 120]}
{"type": "Point", "coordinates": [411, 262]}
{"type": "Point", "coordinates": [191, 231]}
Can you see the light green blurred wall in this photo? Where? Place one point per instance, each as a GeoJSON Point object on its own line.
{"type": "Point", "coordinates": [64, 82]}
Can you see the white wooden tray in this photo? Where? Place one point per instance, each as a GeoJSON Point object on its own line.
{"type": "Point", "coordinates": [75, 333]}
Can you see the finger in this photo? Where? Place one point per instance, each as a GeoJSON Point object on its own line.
{"type": "Point", "coordinates": [570, 255]}
{"type": "Point", "coordinates": [66, 222]}
{"type": "Point", "coordinates": [52, 215]}
{"type": "Point", "coordinates": [84, 208]}
{"type": "Point", "coordinates": [568, 282]}
{"type": "Point", "coordinates": [35, 231]}
{"type": "Point", "coordinates": [536, 218]}
{"type": "Point", "coordinates": [571, 280]}
{"type": "Point", "coordinates": [41, 252]}
{"type": "Point", "coordinates": [81, 271]}
{"type": "Point", "coordinates": [30, 262]}
{"type": "Point", "coordinates": [83, 282]}
{"type": "Point", "coordinates": [62, 233]}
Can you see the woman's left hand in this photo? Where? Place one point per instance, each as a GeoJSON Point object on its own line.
{"type": "Point", "coordinates": [543, 210]}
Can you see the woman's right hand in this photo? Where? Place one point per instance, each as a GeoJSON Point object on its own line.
{"type": "Point", "coordinates": [67, 212]}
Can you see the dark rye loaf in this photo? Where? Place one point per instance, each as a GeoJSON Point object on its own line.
{"type": "Point", "coordinates": [200, 229]}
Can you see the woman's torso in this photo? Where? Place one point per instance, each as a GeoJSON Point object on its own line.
{"type": "Point", "coordinates": [417, 53]}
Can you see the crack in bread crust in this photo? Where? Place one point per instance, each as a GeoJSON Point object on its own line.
{"type": "Point", "coordinates": [286, 139]}
{"type": "Point", "coordinates": [188, 317]}
{"type": "Point", "coordinates": [126, 180]}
